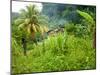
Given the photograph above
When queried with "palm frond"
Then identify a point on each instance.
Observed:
(21, 26)
(18, 21)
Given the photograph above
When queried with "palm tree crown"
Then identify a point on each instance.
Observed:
(29, 21)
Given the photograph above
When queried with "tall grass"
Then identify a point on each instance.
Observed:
(57, 53)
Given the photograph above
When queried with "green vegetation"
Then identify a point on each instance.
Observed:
(37, 47)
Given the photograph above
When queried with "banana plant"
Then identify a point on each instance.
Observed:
(91, 26)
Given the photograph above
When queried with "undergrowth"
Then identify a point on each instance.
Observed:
(56, 53)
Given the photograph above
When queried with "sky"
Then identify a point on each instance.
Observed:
(17, 6)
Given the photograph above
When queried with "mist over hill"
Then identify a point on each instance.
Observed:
(60, 14)
(55, 13)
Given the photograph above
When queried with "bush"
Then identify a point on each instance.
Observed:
(57, 53)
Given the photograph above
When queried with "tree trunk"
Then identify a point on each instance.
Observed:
(24, 46)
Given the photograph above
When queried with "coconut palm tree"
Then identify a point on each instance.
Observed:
(29, 22)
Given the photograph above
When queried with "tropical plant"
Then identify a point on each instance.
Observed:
(91, 24)
(29, 22)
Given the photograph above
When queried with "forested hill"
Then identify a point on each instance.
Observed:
(56, 13)
(59, 14)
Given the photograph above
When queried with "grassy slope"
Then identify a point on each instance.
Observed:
(55, 54)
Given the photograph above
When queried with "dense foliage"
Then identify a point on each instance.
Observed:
(39, 44)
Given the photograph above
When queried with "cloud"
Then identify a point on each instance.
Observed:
(17, 6)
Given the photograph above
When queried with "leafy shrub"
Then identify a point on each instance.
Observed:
(57, 54)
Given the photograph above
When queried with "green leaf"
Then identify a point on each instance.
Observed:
(86, 16)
